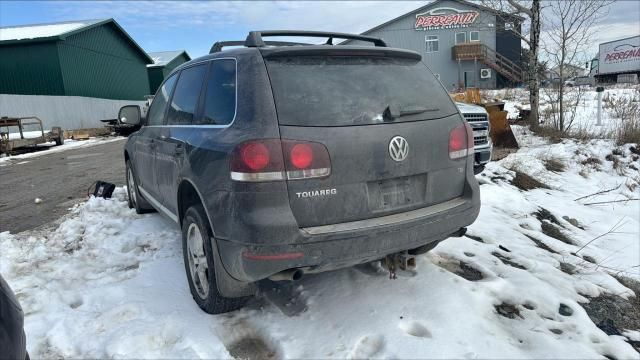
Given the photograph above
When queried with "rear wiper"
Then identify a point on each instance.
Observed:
(392, 112)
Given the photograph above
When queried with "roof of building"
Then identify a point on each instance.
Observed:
(58, 31)
(162, 58)
(484, 8)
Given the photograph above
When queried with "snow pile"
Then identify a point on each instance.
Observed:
(108, 283)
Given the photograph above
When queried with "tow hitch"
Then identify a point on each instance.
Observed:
(402, 261)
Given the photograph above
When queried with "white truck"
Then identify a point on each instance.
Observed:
(618, 61)
(478, 118)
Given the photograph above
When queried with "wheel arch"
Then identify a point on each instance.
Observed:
(188, 195)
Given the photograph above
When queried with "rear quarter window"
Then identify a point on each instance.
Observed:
(220, 93)
(347, 91)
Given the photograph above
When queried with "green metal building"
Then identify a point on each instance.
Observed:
(93, 58)
(163, 63)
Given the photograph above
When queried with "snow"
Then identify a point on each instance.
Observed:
(26, 134)
(108, 283)
(41, 30)
(162, 58)
(585, 119)
(68, 144)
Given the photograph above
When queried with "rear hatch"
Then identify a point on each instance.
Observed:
(367, 111)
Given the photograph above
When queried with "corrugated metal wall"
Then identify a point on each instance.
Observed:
(100, 62)
(31, 68)
(68, 112)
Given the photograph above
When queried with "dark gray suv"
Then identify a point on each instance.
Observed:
(279, 159)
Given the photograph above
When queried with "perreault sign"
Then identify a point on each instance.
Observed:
(445, 18)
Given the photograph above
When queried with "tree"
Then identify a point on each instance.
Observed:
(530, 10)
(569, 32)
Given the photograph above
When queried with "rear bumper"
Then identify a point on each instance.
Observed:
(325, 248)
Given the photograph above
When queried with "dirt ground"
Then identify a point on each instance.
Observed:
(60, 179)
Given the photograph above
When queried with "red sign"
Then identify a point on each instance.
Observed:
(445, 18)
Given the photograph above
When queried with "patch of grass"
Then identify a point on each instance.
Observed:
(550, 133)
(613, 314)
(507, 261)
(567, 268)
(553, 231)
(591, 161)
(508, 310)
(554, 164)
(628, 132)
(544, 214)
(573, 222)
(541, 245)
(525, 182)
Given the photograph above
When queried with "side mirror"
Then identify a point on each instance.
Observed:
(129, 114)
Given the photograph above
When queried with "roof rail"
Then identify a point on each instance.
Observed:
(217, 47)
(254, 39)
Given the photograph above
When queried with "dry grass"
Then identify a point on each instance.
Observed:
(554, 164)
(628, 132)
(525, 182)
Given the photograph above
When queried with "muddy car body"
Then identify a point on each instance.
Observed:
(290, 159)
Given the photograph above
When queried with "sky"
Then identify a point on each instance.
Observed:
(195, 26)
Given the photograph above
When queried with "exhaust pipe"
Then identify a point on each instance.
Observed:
(287, 275)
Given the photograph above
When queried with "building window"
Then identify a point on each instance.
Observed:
(474, 36)
(461, 38)
(508, 26)
(431, 42)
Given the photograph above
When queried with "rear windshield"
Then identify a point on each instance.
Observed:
(345, 91)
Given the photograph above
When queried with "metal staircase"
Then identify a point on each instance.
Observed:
(489, 57)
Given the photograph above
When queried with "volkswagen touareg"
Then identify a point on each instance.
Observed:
(279, 159)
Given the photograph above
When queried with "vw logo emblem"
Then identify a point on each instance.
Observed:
(398, 148)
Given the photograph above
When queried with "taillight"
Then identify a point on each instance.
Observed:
(460, 141)
(305, 159)
(259, 160)
(273, 159)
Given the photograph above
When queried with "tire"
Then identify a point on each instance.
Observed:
(197, 251)
(135, 200)
(478, 169)
(60, 138)
(424, 248)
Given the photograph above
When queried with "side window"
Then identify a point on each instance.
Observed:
(431, 42)
(159, 104)
(220, 95)
(474, 36)
(185, 98)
